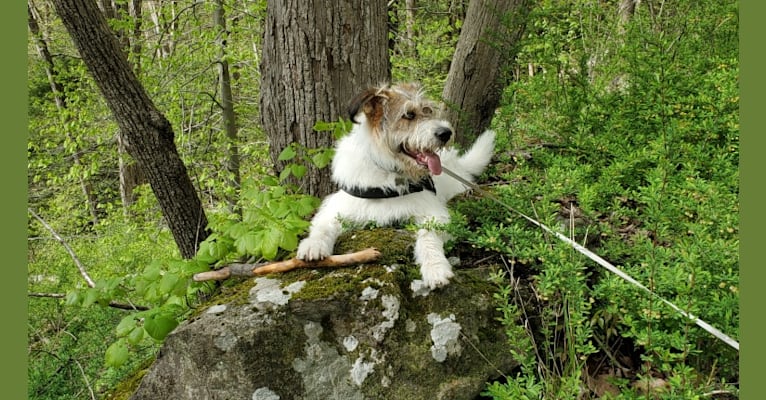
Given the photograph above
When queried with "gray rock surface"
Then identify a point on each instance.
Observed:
(350, 333)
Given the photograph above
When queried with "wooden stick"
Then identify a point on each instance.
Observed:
(246, 270)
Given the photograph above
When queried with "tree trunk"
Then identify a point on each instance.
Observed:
(409, 23)
(480, 68)
(626, 10)
(61, 104)
(227, 109)
(148, 133)
(163, 32)
(130, 41)
(317, 55)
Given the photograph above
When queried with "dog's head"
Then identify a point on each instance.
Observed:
(405, 125)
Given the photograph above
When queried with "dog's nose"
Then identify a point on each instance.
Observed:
(443, 134)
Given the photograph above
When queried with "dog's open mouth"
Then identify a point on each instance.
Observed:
(425, 158)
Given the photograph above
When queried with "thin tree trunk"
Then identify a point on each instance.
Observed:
(227, 108)
(410, 10)
(61, 104)
(130, 40)
(136, 14)
(316, 56)
(480, 68)
(626, 10)
(162, 30)
(148, 133)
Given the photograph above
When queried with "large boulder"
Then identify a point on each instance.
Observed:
(363, 332)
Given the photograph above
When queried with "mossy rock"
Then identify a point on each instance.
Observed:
(353, 333)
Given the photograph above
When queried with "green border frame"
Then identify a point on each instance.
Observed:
(14, 243)
(753, 220)
(751, 187)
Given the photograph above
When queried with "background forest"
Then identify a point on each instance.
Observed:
(619, 126)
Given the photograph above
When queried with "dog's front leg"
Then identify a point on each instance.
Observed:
(324, 231)
(429, 254)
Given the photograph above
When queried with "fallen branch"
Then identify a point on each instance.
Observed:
(113, 304)
(69, 250)
(246, 270)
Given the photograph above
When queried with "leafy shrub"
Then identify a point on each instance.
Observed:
(644, 172)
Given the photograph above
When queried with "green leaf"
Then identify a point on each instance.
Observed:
(306, 205)
(289, 241)
(270, 181)
(236, 231)
(158, 325)
(249, 243)
(322, 126)
(152, 271)
(136, 335)
(73, 297)
(196, 266)
(205, 253)
(126, 325)
(168, 282)
(299, 171)
(285, 173)
(270, 243)
(323, 158)
(117, 353)
(91, 296)
(288, 153)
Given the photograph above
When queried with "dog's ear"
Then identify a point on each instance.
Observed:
(370, 102)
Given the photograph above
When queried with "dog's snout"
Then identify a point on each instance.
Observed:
(443, 134)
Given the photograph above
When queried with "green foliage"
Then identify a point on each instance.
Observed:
(127, 250)
(301, 157)
(273, 219)
(631, 147)
(626, 137)
(425, 57)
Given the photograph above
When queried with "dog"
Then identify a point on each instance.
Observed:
(389, 170)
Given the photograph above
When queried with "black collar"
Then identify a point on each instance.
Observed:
(380, 193)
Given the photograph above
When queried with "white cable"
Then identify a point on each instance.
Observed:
(595, 257)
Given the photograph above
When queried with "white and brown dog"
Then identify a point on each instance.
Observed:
(389, 170)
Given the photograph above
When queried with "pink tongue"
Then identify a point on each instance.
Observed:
(432, 161)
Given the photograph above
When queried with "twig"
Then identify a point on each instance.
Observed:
(717, 392)
(360, 257)
(71, 252)
(85, 379)
(113, 304)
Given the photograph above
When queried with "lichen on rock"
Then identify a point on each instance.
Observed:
(445, 334)
(268, 293)
(350, 333)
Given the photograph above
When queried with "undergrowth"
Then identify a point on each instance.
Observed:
(644, 173)
(624, 137)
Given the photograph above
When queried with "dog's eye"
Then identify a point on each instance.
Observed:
(409, 115)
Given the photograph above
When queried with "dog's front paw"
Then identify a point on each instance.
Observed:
(313, 249)
(436, 274)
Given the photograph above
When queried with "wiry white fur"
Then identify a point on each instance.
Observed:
(360, 161)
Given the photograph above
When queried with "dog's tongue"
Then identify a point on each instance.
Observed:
(431, 160)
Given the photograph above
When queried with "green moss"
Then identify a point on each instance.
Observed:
(128, 386)
(232, 292)
(395, 246)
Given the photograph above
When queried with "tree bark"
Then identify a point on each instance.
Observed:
(227, 110)
(148, 134)
(409, 23)
(480, 68)
(317, 55)
(130, 41)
